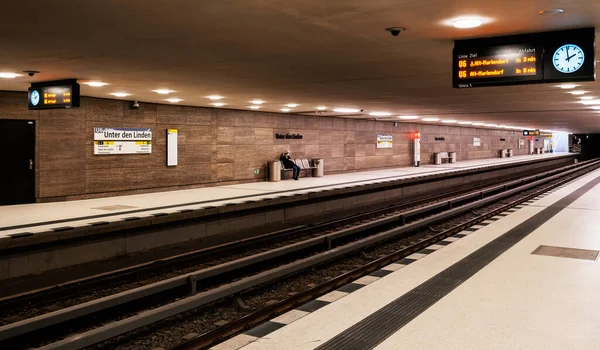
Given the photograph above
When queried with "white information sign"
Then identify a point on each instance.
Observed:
(476, 141)
(384, 141)
(171, 147)
(122, 147)
(122, 134)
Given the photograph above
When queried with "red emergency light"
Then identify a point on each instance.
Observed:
(531, 138)
(417, 135)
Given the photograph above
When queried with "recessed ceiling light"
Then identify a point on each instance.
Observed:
(321, 108)
(174, 100)
(96, 83)
(465, 123)
(7, 75)
(464, 23)
(490, 125)
(254, 107)
(578, 92)
(478, 124)
(591, 102)
(551, 12)
(408, 117)
(163, 91)
(346, 110)
(257, 102)
(292, 105)
(430, 119)
(449, 121)
(380, 114)
(218, 104)
(587, 97)
(567, 86)
(120, 94)
(285, 109)
(214, 97)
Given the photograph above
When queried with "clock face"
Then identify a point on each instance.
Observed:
(568, 58)
(35, 97)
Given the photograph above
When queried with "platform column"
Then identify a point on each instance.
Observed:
(531, 148)
(417, 150)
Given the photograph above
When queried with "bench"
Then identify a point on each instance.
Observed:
(304, 164)
(437, 157)
(503, 153)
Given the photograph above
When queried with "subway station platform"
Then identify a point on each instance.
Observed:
(524, 279)
(40, 217)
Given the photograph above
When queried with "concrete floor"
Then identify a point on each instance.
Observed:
(518, 301)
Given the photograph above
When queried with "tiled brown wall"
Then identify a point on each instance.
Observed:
(219, 145)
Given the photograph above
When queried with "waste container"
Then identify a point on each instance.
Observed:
(274, 171)
(437, 158)
(538, 150)
(510, 152)
(502, 153)
(319, 170)
(452, 157)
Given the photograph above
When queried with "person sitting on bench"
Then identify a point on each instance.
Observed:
(288, 163)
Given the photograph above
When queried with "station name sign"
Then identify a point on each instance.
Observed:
(288, 136)
(549, 57)
(122, 141)
(122, 134)
(54, 95)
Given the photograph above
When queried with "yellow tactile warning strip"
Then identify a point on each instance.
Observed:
(562, 252)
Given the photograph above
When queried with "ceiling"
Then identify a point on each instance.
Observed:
(334, 53)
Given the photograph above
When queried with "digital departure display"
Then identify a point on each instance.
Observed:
(502, 63)
(56, 94)
(525, 59)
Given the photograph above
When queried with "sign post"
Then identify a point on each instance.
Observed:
(417, 150)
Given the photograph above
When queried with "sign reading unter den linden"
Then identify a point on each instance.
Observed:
(122, 141)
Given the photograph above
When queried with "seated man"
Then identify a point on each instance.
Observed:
(288, 163)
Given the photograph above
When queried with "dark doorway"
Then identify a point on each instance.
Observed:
(17, 161)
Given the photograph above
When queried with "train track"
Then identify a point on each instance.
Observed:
(43, 297)
(251, 271)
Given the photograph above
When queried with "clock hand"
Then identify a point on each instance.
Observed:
(569, 58)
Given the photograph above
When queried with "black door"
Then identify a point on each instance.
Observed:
(17, 157)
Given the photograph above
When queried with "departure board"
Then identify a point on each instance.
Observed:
(54, 94)
(562, 56)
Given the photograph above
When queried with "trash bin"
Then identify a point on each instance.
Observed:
(437, 158)
(452, 157)
(510, 152)
(502, 153)
(538, 150)
(319, 170)
(274, 171)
